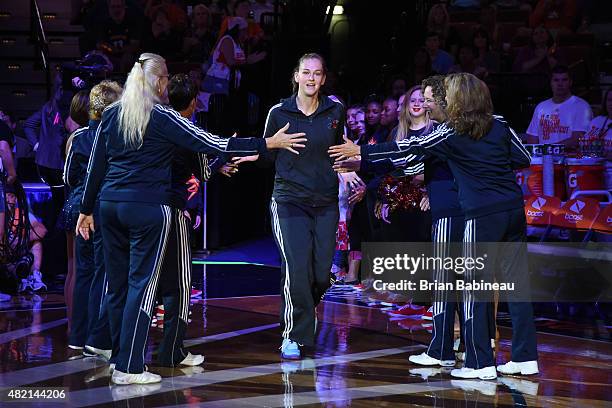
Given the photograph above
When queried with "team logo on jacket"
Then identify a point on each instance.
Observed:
(334, 124)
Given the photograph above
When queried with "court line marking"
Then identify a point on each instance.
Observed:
(334, 395)
(37, 328)
(45, 372)
(101, 395)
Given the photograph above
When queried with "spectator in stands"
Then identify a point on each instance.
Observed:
(398, 86)
(35, 248)
(540, 56)
(160, 38)
(400, 195)
(599, 131)
(438, 21)
(594, 20)
(200, 38)
(388, 120)
(119, 34)
(488, 20)
(467, 62)
(242, 9)
(8, 173)
(441, 61)
(373, 110)
(355, 121)
(485, 56)
(177, 17)
(562, 119)
(421, 67)
(46, 132)
(7, 144)
(227, 58)
(555, 15)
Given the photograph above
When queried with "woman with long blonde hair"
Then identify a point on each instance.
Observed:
(130, 170)
(400, 195)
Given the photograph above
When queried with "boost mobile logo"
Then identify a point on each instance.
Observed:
(539, 203)
(577, 207)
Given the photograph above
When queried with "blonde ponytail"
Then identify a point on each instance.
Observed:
(139, 96)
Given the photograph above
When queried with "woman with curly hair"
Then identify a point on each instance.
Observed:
(482, 151)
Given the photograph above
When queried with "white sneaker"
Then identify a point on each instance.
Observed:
(425, 360)
(520, 385)
(485, 373)
(192, 360)
(75, 347)
(523, 368)
(105, 354)
(36, 281)
(290, 350)
(145, 377)
(484, 387)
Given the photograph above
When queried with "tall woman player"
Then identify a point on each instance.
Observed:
(304, 203)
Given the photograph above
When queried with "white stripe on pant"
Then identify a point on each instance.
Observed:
(288, 312)
(146, 304)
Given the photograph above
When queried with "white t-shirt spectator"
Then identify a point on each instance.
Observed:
(553, 122)
(601, 128)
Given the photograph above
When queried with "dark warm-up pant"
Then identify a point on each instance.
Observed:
(306, 239)
(135, 237)
(175, 291)
(445, 231)
(99, 335)
(89, 285)
(507, 226)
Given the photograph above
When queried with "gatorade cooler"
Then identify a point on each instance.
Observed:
(530, 179)
(584, 174)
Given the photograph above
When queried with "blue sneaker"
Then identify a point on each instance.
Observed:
(290, 350)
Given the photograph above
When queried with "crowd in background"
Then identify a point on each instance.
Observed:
(225, 48)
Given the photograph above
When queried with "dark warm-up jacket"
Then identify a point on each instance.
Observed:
(144, 174)
(483, 169)
(439, 180)
(307, 178)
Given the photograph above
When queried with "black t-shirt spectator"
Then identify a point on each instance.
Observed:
(119, 34)
(167, 44)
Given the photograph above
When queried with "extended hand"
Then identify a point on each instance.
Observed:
(347, 165)
(85, 224)
(352, 179)
(228, 169)
(344, 151)
(358, 194)
(289, 141)
(238, 160)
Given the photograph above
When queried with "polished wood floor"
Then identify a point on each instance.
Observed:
(361, 360)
